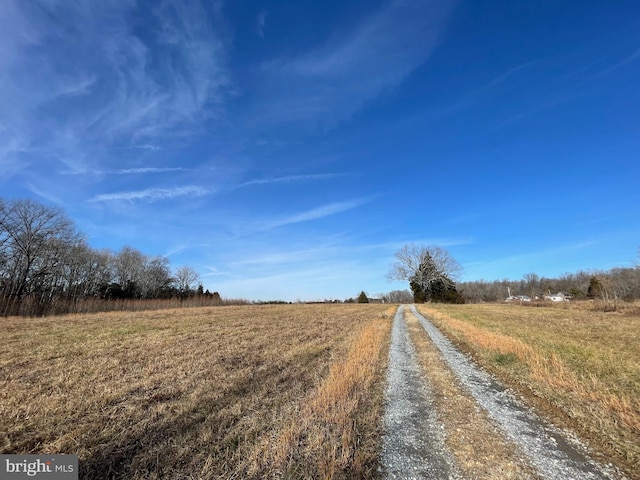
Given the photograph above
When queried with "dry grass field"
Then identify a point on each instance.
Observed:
(293, 391)
(578, 365)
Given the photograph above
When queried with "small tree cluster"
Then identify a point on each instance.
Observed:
(397, 296)
(429, 271)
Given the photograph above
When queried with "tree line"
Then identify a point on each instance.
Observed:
(431, 273)
(620, 283)
(47, 266)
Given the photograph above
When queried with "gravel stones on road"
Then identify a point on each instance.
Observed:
(414, 443)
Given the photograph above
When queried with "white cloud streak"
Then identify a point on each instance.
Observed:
(316, 213)
(629, 59)
(152, 194)
(147, 170)
(129, 171)
(147, 146)
(289, 179)
(262, 22)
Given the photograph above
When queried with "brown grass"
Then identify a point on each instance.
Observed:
(195, 393)
(335, 433)
(580, 366)
(32, 307)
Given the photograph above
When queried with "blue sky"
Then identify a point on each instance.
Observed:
(287, 149)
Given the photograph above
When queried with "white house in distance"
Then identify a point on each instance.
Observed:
(518, 298)
(557, 297)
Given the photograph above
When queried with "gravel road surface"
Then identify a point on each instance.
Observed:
(413, 445)
(414, 440)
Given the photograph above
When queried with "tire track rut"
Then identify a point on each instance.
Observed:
(414, 443)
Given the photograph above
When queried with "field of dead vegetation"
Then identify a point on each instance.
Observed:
(290, 391)
(577, 365)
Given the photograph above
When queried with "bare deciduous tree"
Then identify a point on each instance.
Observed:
(129, 265)
(531, 284)
(398, 296)
(33, 240)
(157, 277)
(186, 279)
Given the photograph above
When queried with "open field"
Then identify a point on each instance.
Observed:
(244, 392)
(578, 366)
(297, 391)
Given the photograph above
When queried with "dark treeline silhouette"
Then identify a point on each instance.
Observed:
(607, 285)
(47, 267)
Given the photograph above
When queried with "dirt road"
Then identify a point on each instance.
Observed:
(447, 418)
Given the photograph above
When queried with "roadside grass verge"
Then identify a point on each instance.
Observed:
(579, 366)
(335, 432)
(194, 393)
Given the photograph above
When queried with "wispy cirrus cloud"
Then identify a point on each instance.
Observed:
(581, 79)
(482, 93)
(146, 146)
(45, 194)
(128, 171)
(212, 271)
(152, 194)
(262, 22)
(331, 83)
(617, 65)
(290, 179)
(79, 79)
(288, 257)
(316, 213)
(184, 87)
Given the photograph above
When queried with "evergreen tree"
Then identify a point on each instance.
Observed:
(595, 288)
(419, 293)
(445, 292)
(362, 298)
(431, 284)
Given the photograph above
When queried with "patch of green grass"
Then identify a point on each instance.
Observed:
(505, 358)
